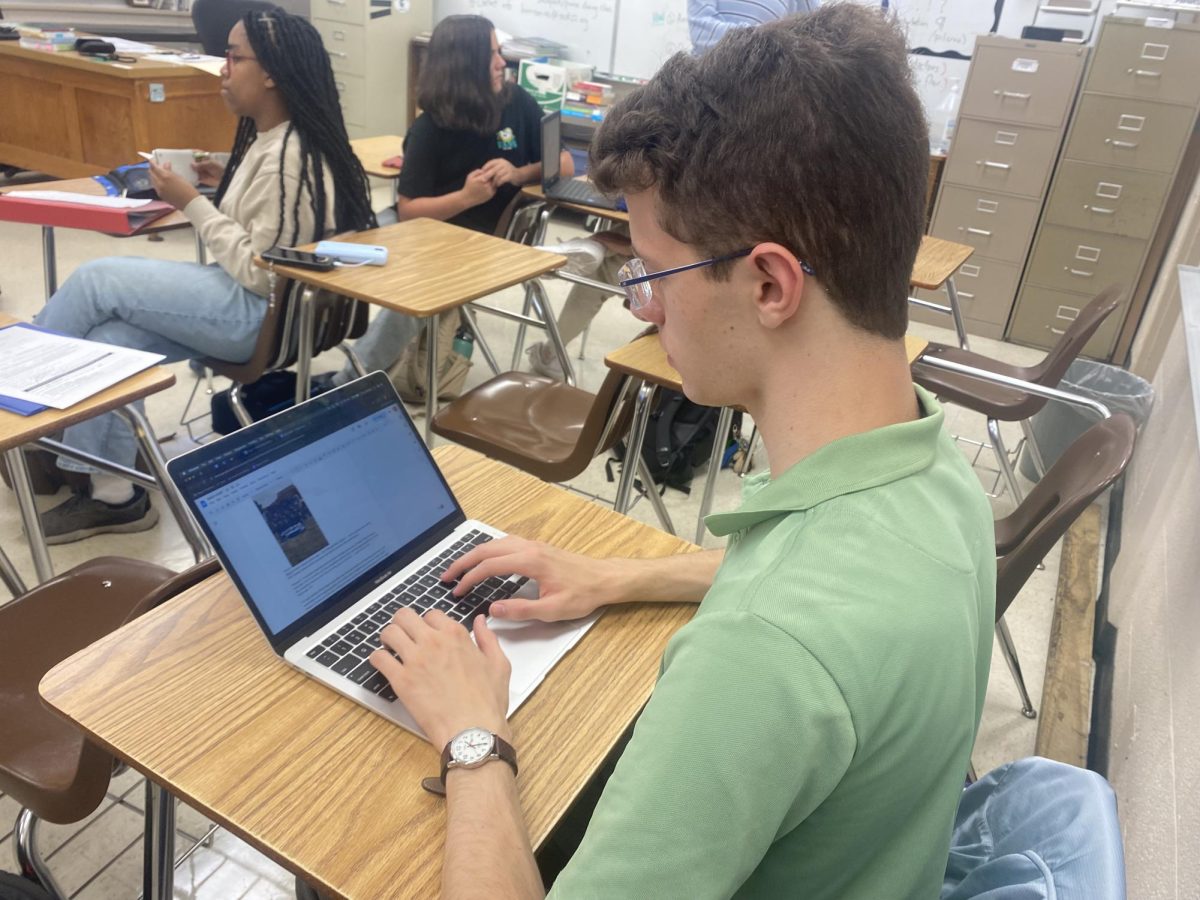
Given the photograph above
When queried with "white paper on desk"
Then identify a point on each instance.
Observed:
(210, 64)
(59, 371)
(82, 199)
(121, 45)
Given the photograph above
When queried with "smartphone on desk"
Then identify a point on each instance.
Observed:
(301, 259)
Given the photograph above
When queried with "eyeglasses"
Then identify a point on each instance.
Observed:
(633, 277)
(231, 57)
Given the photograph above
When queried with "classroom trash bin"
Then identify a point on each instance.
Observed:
(1056, 425)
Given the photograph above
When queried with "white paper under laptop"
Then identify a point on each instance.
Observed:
(330, 516)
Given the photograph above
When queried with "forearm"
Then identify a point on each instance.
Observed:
(442, 208)
(682, 578)
(488, 854)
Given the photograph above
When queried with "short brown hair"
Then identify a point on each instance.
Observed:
(806, 132)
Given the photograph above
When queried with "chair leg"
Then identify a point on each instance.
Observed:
(29, 862)
(10, 576)
(354, 359)
(238, 407)
(1035, 452)
(654, 497)
(1014, 666)
(583, 339)
(1010, 477)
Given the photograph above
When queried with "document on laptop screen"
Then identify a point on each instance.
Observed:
(301, 527)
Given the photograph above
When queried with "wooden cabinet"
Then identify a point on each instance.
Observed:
(369, 45)
(1010, 128)
(1116, 194)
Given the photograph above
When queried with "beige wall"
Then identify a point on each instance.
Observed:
(1154, 602)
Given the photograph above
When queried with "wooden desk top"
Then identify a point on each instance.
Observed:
(534, 192)
(193, 696)
(645, 358)
(128, 71)
(372, 151)
(432, 267)
(17, 430)
(937, 260)
(90, 186)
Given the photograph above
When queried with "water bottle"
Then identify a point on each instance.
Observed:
(948, 114)
(464, 342)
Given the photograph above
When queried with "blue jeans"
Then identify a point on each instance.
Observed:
(383, 343)
(180, 309)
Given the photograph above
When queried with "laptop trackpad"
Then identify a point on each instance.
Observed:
(534, 647)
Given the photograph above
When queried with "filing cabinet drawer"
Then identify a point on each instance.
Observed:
(1106, 198)
(1042, 315)
(1002, 157)
(1129, 132)
(352, 91)
(1153, 63)
(1072, 259)
(985, 293)
(1021, 84)
(347, 46)
(997, 225)
(351, 12)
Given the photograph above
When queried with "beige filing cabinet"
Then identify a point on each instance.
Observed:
(1014, 112)
(368, 43)
(1108, 217)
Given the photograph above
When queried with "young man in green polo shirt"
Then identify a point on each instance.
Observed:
(811, 727)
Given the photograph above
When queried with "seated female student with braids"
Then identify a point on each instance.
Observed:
(477, 140)
(291, 179)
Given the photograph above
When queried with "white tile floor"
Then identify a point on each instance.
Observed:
(101, 857)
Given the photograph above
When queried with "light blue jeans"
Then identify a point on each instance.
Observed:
(382, 344)
(180, 309)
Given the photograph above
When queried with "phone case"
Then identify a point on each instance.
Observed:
(308, 261)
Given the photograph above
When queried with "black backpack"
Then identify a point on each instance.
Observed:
(679, 437)
(13, 887)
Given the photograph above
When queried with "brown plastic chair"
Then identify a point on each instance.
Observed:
(1005, 404)
(544, 426)
(335, 319)
(1086, 469)
(46, 764)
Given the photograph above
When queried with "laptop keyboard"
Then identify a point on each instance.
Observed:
(345, 651)
(574, 189)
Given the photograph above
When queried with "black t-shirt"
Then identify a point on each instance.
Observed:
(437, 160)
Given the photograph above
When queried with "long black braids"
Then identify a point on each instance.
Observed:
(289, 48)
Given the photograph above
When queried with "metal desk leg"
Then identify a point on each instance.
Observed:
(714, 466)
(480, 341)
(633, 445)
(956, 312)
(152, 453)
(29, 513)
(49, 261)
(10, 576)
(539, 238)
(201, 250)
(431, 375)
(158, 848)
(547, 316)
(305, 348)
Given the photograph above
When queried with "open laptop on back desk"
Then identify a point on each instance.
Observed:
(554, 186)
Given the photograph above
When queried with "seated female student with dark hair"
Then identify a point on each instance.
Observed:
(291, 179)
(466, 156)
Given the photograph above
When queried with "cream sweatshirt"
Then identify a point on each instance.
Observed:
(248, 220)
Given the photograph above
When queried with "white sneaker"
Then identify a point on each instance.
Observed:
(583, 255)
(544, 361)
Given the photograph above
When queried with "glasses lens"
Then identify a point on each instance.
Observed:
(639, 294)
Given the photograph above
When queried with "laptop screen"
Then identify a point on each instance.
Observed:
(551, 146)
(312, 508)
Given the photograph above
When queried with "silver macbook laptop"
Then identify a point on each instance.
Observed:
(332, 515)
(572, 190)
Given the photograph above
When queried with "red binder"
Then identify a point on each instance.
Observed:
(61, 214)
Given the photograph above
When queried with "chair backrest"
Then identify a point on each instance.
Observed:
(214, 18)
(1089, 466)
(1050, 370)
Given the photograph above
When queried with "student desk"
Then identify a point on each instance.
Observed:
(432, 267)
(91, 186)
(71, 116)
(937, 261)
(16, 431)
(645, 360)
(372, 151)
(192, 695)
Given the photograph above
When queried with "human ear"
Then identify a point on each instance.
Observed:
(780, 283)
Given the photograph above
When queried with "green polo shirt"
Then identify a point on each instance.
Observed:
(812, 724)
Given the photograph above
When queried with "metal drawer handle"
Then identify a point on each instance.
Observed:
(1079, 272)
(1059, 331)
(339, 54)
(1104, 211)
(1143, 73)
(963, 295)
(988, 164)
(1124, 145)
(337, 2)
(341, 88)
(1011, 95)
(979, 231)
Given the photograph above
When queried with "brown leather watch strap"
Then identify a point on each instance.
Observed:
(502, 750)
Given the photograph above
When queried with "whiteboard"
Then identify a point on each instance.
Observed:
(586, 27)
(649, 32)
(945, 26)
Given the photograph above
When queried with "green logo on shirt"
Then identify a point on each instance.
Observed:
(505, 139)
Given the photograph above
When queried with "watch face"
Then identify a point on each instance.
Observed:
(472, 746)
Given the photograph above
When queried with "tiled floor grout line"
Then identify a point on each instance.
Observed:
(104, 868)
